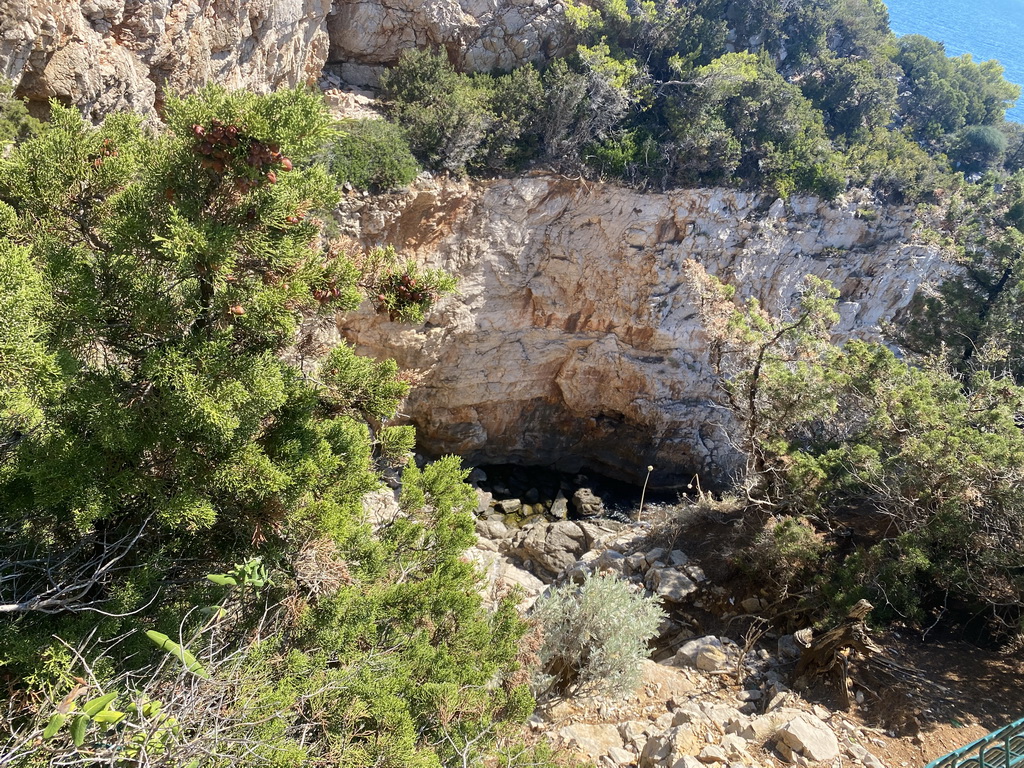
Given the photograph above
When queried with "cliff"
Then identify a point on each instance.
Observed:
(574, 340)
(110, 55)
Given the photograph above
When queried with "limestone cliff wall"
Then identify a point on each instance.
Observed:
(574, 339)
(112, 55)
(478, 35)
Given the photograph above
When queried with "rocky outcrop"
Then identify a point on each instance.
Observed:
(112, 55)
(478, 35)
(574, 339)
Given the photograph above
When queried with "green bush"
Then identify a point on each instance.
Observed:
(785, 553)
(446, 115)
(595, 636)
(978, 148)
(372, 155)
(932, 459)
(153, 432)
(889, 162)
(16, 124)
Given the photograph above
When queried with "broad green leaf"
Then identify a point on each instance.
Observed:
(108, 716)
(78, 729)
(91, 708)
(54, 725)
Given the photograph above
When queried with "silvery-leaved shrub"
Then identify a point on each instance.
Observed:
(595, 636)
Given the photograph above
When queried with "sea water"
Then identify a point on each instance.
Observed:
(986, 29)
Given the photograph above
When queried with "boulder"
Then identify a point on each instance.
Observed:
(492, 530)
(711, 659)
(810, 737)
(500, 575)
(678, 558)
(380, 507)
(667, 748)
(483, 501)
(634, 733)
(670, 584)
(552, 546)
(712, 753)
(586, 503)
(735, 749)
(593, 740)
(510, 506)
(686, 656)
(560, 507)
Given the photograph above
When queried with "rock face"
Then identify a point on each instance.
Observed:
(574, 339)
(111, 55)
(478, 35)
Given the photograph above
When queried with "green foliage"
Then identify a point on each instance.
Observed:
(152, 432)
(891, 164)
(946, 94)
(251, 573)
(403, 290)
(786, 553)
(978, 148)
(937, 460)
(740, 120)
(973, 320)
(584, 100)
(370, 154)
(703, 92)
(164, 643)
(595, 636)
(16, 124)
(856, 96)
(396, 443)
(446, 115)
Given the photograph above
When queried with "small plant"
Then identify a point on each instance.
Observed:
(95, 711)
(595, 636)
(403, 291)
(251, 573)
(164, 643)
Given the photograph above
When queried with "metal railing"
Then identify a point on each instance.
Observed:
(1003, 748)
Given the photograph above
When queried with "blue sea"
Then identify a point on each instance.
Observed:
(986, 29)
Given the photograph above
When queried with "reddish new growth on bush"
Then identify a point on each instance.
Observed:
(225, 146)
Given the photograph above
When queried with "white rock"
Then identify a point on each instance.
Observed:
(687, 654)
(592, 740)
(712, 754)
(670, 584)
(712, 659)
(810, 737)
(549, 333)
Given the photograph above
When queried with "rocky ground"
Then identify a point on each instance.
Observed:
(722, 697)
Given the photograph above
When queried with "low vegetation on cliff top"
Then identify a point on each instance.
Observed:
(810, 97)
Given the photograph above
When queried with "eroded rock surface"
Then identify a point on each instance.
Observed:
(113, 55)
(478, 35)
(575, 340)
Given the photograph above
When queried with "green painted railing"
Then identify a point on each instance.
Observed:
(1003, 748)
